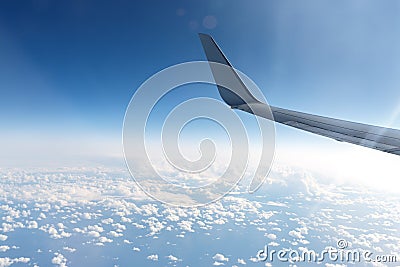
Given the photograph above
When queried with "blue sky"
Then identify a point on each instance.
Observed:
(69, 68)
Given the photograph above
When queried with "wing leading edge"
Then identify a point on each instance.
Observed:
(375, 137)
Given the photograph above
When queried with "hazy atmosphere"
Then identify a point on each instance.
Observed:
(69, 69)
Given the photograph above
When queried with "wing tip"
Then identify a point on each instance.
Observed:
(205, 38)
(201, 34)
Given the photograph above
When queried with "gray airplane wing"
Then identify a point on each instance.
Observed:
(375, 137)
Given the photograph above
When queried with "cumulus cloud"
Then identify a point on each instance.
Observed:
(172, 258)
(69, 249)
(95, 228)
(296, 234)
(283, 218)
(5, 262)
(32, 225)
(153, 257)
(271, 236)
(253, 259)
(241, 261)
(186, 226)
(93, 234)
(104, 239)
(107, 221)
(4, 248)
(220, 257)
(59, 260)
(115, 234)
(273, 244)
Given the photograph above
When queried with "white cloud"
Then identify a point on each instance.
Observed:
(149, 209)
(172, 217)
(3, 237)
(4, 248)
(86, 216)
(69, 249)
(32, 225)
(253, 259)
(119, 227)
(104, 239)
(155, 219)
(153, 257)
(241, 261)
(8, 227)
(96, 228)
(172, 258)
(220, 257)
(5, 262)
(107, 221)
(219, 221)
(155, 226)
(59, 260)
(94, 233)
(296, 234)
(186, 226)
(271, 236)
(52, 231)
(115, 234)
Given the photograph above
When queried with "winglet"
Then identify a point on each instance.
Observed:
(214, 54)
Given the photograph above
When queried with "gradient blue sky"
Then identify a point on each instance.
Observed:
(69, 68)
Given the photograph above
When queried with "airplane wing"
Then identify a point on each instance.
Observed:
(375, 137)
